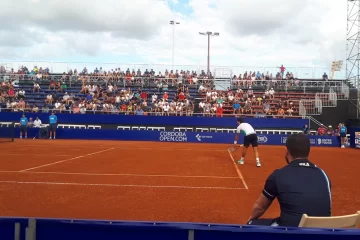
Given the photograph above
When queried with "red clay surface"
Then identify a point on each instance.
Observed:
(147, 181)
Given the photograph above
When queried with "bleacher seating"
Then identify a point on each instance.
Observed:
(289, 94)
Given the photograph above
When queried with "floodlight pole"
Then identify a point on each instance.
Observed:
(209, 34)
(173, 23)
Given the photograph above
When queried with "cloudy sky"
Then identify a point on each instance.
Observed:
(252, 32)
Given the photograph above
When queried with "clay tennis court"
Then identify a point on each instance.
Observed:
(149, 181)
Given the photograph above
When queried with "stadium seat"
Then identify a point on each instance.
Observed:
(94, 127)
(347, 221)
(202, 129)
(123, 128)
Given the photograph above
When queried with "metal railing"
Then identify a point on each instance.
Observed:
(310, 107)
(59, 67)
(145, 113)
(338, 86)
(327, 99)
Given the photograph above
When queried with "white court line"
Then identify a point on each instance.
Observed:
(238, 170)
(66, 160)
(121, 174)
(134, 148)
(30, 154)
(120, 185)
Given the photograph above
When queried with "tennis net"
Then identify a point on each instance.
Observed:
(7, 130)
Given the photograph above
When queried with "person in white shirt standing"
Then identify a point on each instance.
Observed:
(250, 137)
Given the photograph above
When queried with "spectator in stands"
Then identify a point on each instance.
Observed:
(139, 111)
(300, 187)
(165, 96)
(207, 108)
(247, 107)
(282, 71)
(62, 108)
(321, 130)
(219, 110)
(21, 104)
(250, 92)
(266, 107)
(66, 99)
(21, 93)
(272, 93)
(27, 107)
(231, 97)
(52, 85)
(237, 108)
(290, 110)
(84, 89)
(11, 92)
(57, 105)
(281, 112)
(325, 77)
(49, 99)
(154, 97)
(202, 88)
(35, 109)
(45, 109)
(330, 131)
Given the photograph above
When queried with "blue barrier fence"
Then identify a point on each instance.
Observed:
(257, 123)
(60, 229)
(170, 136)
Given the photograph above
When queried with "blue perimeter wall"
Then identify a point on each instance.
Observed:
(60, 229)
(164, 136)
(229, 122)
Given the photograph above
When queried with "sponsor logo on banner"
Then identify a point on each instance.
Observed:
(199, 137)
(173, 137)
(262, 139)
(283, 140)
(325, 141)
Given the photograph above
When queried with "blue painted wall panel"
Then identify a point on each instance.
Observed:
(228, 122)
(164, 136)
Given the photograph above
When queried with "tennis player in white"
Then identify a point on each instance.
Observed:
(250, 137)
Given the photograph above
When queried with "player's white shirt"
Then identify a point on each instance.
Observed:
(245, 129)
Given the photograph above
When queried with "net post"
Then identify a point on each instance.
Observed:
(12, 131)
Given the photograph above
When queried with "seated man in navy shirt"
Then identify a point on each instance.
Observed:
(300, 187)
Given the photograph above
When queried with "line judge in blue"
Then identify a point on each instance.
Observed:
(52, 125)
(343, 131)
(23, 126)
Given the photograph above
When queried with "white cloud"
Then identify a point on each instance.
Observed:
(252, 33)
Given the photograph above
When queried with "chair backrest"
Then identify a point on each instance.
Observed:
(347, 221)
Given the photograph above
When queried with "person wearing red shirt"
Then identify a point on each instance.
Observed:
(165, 96)
(143, 95)
(321, 130)
(181, 96)
(219, 111)
(282, 71)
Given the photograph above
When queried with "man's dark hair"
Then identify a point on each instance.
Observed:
(240, 120)
(298, 145)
